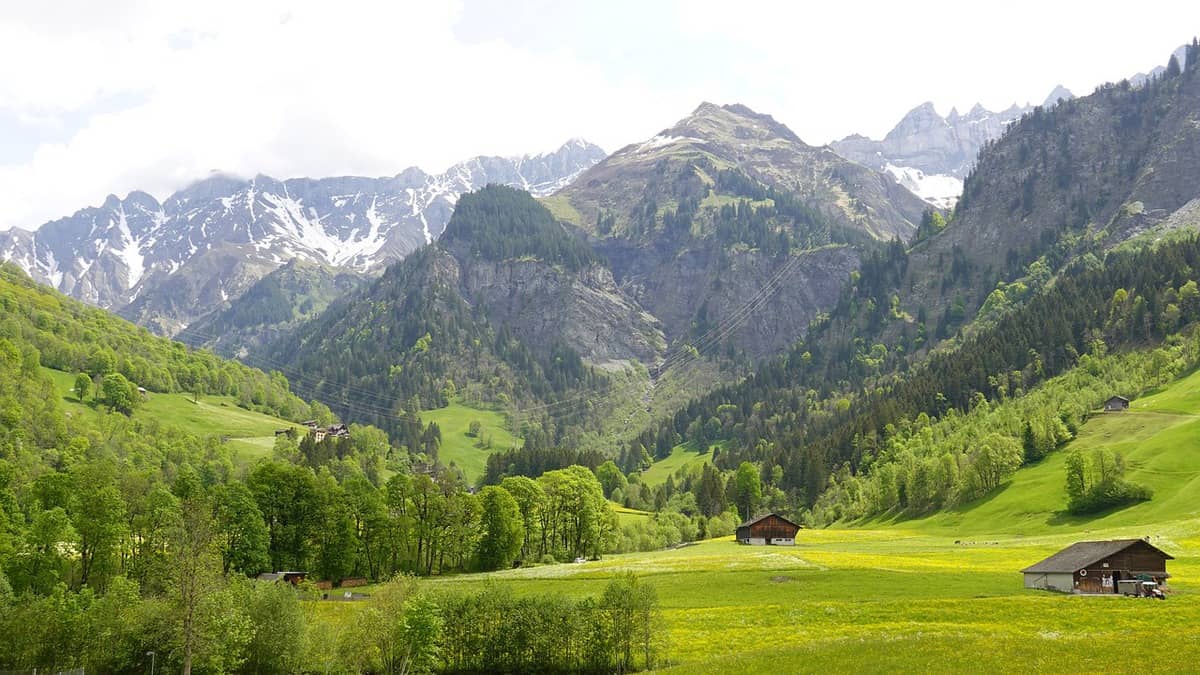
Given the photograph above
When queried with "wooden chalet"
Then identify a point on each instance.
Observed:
(320, 433)
(769, 529)
(1097, 567)
(1116, 403)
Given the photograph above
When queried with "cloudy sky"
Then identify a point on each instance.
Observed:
(107, 97)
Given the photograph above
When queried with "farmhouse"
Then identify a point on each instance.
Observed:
(769, 529)
(320, 433)
(1098, 566)
(1116, 403)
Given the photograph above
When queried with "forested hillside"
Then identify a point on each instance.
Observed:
(124, 532)
(830, 406)
(427, 331)
(76, 338)
(274, 305)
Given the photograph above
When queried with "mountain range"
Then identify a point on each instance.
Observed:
(931, 154)
(165, 264)
(714, 243)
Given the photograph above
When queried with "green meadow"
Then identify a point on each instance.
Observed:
(940, 594)
(249, 434)
(681, 456)
(888, 600)
(1159, 437)
(462, 450)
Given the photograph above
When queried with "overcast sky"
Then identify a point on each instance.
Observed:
(108, 97)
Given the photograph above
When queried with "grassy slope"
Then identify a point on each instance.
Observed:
(626, 515)
(459, 448)
(1160, 439)
(681, 455)
(251, 434)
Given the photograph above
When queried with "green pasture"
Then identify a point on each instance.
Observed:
(250, 434)
(681, 455)
(462, 450)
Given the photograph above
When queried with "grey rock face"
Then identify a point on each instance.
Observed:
(933, 144)
(708, 297)
(166, 264)
(583, 309)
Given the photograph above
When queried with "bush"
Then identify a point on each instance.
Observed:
(1109, 494)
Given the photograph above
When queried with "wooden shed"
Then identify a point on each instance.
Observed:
(292, 578)
(1097, 567)
(1116, 403)
(769, 529)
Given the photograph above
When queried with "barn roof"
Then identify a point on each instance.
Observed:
(1084, 553)
(764, 516)
(1118, 398)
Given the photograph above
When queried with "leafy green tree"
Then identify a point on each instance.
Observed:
(242, 539)
(43, 562)
(83, 386)
(502, 532)
(333, 530)
(1076, 475)
(747, 489)
(397, 632)
(274, 612)
(98, 516)
(611, 478)
(634, 622)
(531, 499)
(118, 393)
(371, 527)
(993, 459)
(101, 362)
(288, 499)
(194, 569)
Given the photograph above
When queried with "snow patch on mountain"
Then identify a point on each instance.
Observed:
(226, 232)
(941, 190)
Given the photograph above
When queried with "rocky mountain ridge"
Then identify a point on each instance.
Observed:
(931, 154)
(165, 264)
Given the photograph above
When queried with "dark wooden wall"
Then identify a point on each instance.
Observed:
(773, 527)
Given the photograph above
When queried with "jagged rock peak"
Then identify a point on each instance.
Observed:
(710, 121)
(1057, 95)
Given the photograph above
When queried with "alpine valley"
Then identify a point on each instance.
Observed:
(720, 401)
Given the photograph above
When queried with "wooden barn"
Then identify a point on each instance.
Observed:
(770, 529)
(1116, 403)
(1097, 567)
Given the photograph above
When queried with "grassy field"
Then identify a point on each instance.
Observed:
(250, 434)
(458, 448)
(852, 600)
(1159, 437)
(681, 455)
(941, 594)
(626, 515)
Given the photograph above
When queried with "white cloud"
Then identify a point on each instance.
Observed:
(310, 87)
(315, 89)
